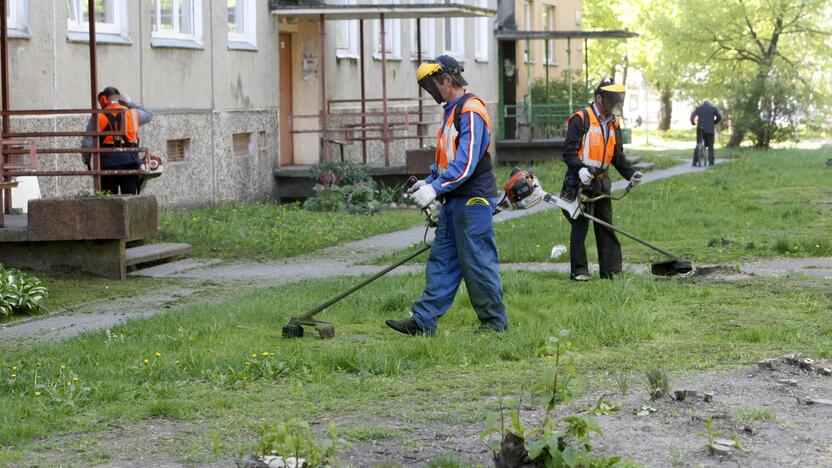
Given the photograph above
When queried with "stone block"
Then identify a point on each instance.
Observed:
(93, 218)
(418, 161)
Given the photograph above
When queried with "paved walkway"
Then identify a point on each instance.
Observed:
(331, 262)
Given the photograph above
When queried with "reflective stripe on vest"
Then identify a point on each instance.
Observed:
(446, 137)
(594, 151)
(131, 121)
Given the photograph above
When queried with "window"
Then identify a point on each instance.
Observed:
(549, 24)
(111, 25)
(392, 38)
(529, 25)
(242, 24)
(241, 144)
(179, 150)
(176, 23)
(483, 34)
(455, 37)
(16, 18)
(428, 26)
(346, 36)
(262, 143)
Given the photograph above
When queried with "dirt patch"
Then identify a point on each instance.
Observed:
(763, 409)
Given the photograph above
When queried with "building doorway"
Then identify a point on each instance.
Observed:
(287, 143)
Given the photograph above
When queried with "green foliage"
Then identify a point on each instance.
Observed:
(294, 438)
(357, 198)
(710, 434)
(20, 293)
(657, 381)
(340, 173)
(556, 443)
(755, 413)
(622, 379)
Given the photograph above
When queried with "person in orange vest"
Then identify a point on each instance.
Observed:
(463, 179)
(137, 115)
(593, 143)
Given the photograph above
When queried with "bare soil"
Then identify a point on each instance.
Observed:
(799, 435)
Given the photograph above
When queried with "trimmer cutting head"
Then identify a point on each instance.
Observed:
(671, 267)
(294, 329)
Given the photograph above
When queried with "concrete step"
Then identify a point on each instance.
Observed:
(176, 267)
(154, 252)
(644, 166)
(634, 159)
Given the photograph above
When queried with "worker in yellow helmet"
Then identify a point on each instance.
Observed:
(593, 143)
(463, 179)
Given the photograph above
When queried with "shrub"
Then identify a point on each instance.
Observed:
(20, 293)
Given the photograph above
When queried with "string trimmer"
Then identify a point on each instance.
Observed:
(523, 191)
(326, 330)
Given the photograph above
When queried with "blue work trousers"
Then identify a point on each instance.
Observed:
(464, 248)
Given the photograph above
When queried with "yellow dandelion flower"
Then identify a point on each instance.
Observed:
(271, 354)
(63, 367)
(75, 379)
(14, 368)
(14, 376)
(37, 393)
(264, 354)
(248, 363)
(177, 362)
(254, 356)
(38, 364)
(158, 354)
(817, 246)
(147, 361)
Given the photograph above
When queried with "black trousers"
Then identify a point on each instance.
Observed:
(124, 184)
(609, 248)
(708, 140)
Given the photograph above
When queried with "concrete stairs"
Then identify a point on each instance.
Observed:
(154, 254)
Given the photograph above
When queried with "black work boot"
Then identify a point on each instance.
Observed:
(407, 326)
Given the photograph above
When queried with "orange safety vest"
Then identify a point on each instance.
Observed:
(112, 121)
(447, 135)
(594, 151)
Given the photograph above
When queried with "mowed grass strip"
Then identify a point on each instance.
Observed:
(762, 204)
(227, 363)
(264, 231)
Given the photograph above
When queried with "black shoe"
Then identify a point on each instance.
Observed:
(580, 278)
(407, 326)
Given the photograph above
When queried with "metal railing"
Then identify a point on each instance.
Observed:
(540, 121)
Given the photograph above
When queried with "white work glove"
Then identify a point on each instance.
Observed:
(636, 178)
(424, 195)
(585, 176)
(125, 99)
(416, 186)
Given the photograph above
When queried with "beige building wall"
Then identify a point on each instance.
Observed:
(204, 93)
(343, 75)
(568, 17)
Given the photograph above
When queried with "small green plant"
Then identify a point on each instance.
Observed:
(755, 413)
(556, 442)
(20, 293)
(294, 438)
(710, 434)
(658, 382)
(622, 379)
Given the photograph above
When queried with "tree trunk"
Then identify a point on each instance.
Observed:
(737, 136)
(626, 69)
(665, 109)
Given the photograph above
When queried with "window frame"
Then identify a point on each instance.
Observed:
(246, 40)
(117, 32)
(193, 40)
(457, 38)
(482, 39)
(428, 36)
(549, 13)
(350, 29)
(393, 29)
(17, 21)
(528, 15)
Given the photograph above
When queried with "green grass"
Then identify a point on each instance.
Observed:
(264, 231)
(754, 414)
(371, 374)
(763, 204)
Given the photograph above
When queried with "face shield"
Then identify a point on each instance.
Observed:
(425, 74)
(612, 97)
